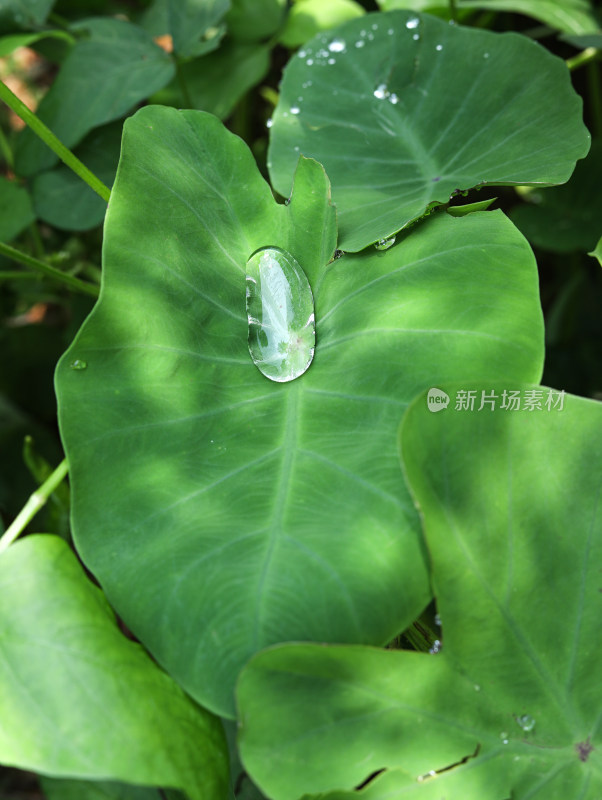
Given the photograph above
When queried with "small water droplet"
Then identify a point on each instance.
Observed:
(416, 37)
(436, 647)
(375, 27)
(526, 722)
(390, 31)
(393, 98)
(296, 148)
(306, 85)
(384, 244)
(504, 737)
(295, 110)
(337, 46)
(360, 43)
(301, 53)
(438, 620)
(477, 688)
(381, 91)
(78, 364)
(280, 312)
(413, 22)
(309, 62)
(269, 123)
(485, 55)
(439, 47)
(332, 61)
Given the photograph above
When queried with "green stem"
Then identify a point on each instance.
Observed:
(584, 57)
(37, 501)
(46, 269)
(8, 275)
(47, 136)
(453, 11)
(595, 101)
(5, 149)
(182, 84)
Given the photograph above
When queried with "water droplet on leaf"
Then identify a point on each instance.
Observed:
(436, 647)
(384, 244)
(526, 722)
(337, 46)
(381, 91)
(360, 43)
(280, 312)
(295, 110)
(414, 22)
(269, 123)
(439, 47)
(393, 98)
(78, 364)
(504, 737)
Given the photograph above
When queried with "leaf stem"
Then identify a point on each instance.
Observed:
(182, 83)
(453, 11)
(46, 269)
(595, 101)
(53, 142)
(37, 501)
(584, 57)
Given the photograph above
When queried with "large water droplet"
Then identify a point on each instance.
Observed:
(280, 311)
(381, 91)
(384, 244)
(78, 364)
(526, 722)
(295, 109)
(413, 22)
(337, 46)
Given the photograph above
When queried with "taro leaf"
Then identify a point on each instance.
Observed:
(404, 110)
(512, 515)
(60, 196)
(308, 17)
(253, 20)
(79, 699)
(218, 81)
(567, 218)
(191, 24)
(65, 789)
(15, 14)
(247, 512)
(16, 210)
(103, 77)
(572, 16)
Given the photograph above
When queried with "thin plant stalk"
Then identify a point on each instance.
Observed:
(584, 57)
(47, 270)
(53, 142)
(36, 501)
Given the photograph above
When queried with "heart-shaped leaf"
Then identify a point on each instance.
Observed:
(79, 699)
(510, 706)
(248, 512)
(403, 110)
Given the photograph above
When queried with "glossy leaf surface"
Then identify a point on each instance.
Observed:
(436, 109)
(510, 705)
(249, 512)
(78, 698)
(103, 77)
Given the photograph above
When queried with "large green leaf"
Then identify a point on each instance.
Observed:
(252, 20)
(510, 706)
(403, 110)
(60, 196)
(103, 77)
(194, 25)
(249, 512)
(566, 218)
(78, 698)
(571, 16)
(308, 17)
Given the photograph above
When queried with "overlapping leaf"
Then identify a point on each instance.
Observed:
(248, 512)
(79, 699)
(511, 705)
(404, 109)
(103, 77)
(571, 16)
